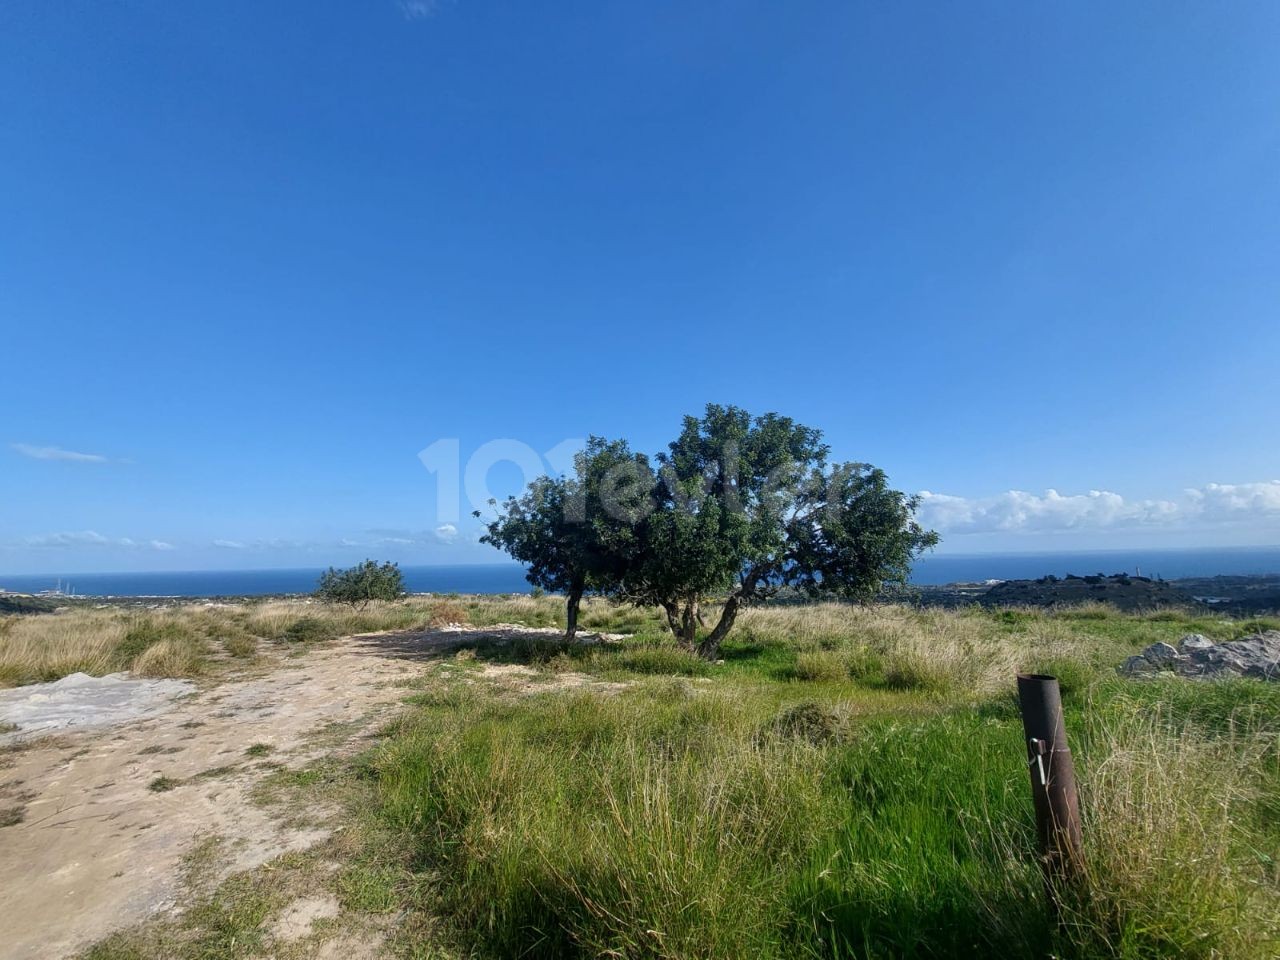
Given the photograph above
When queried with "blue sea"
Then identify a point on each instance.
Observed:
(509, 578)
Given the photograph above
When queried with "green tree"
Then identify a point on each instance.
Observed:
(737, 508)
(577, 534)
(361, 584)
(747, 505)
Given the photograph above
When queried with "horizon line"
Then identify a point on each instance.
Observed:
(1244, 548)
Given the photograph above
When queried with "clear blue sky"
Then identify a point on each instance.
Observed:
(256, 256)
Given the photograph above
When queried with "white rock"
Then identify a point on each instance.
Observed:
(79, 700)
(1194, 641)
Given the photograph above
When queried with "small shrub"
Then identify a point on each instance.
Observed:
(310, 630)
(809, 720)
(163, 784)
(258, 750)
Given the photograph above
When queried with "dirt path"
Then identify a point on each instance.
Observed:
(102, 842)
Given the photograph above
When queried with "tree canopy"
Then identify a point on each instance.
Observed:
(575, 534)
(358, 586)
(735, 509)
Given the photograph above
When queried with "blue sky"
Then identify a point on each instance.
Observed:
(256, 257)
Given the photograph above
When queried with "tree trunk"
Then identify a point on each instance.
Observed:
(673, 618)
(689, 626)
(572, 604)
(710, 646)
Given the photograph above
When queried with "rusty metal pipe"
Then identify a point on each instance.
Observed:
(1053, 783)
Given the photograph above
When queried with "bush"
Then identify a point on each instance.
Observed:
(362, 584)
(812, 721)
(310, 630)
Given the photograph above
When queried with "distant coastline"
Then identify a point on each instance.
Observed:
(509, 578)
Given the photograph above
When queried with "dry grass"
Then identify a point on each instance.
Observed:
(48, 647)
(190, 640)
(934, 651)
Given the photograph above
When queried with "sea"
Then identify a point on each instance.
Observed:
(509, 578)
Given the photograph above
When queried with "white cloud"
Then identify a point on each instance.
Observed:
(91, 538)
(1017, 511)
(68, 539)
(229, 544)
(444, 533)
(57, 453)
(1232, 501)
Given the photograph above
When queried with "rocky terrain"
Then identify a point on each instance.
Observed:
(1198, 657)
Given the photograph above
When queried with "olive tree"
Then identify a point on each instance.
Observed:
(735, 509)
(747, 505)
(574, 534)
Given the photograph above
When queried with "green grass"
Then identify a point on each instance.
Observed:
(845, 784)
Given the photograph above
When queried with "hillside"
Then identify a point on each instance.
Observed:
(1122, 591)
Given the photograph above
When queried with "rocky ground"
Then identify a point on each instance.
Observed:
(1198, 657)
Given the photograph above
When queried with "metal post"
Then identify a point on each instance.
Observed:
(1053, 782)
